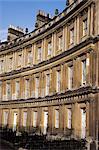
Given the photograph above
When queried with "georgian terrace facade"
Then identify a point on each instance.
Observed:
(49, 78)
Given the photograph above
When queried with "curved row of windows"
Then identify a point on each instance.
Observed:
(53, 44)
(45, 122)
(49, 82)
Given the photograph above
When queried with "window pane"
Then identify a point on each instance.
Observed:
(24, 119)
(56, 118)
(69, 118)
(34, 118)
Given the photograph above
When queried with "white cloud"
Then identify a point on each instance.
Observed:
(3, 34)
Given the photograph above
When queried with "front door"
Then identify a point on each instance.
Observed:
(45, 122)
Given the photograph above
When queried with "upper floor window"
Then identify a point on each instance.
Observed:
(37, 87)
(10, 62)
(60, 42)
(49, 48)
(19, 60)
(27, 88)
(29, 60)
(72, 35)
(39, 56)
(56, 118)
(8, 90)
(0, 90)
(58, 80)
(47, 84)
(17, 88)
(84, 72)
(85, 27)
(70, 77)
(1, 65)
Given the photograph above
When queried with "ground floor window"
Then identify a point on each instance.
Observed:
(5, 118)
(24, 119)
(83, 123)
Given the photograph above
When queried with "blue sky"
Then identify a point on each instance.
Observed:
(23, 12)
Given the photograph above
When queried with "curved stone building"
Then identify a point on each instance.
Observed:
(49, 78)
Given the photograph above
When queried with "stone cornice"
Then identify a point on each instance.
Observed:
(69, 95)
(89, 40)
(48, 26)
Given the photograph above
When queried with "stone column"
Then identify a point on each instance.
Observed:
(54, 44)
(89, 20)
(64, 38)
(75, 31)
(78, 35)
(88, 68)
(92, 19)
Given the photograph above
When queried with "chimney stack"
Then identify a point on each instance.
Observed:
(14, 32)
(42, 18)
